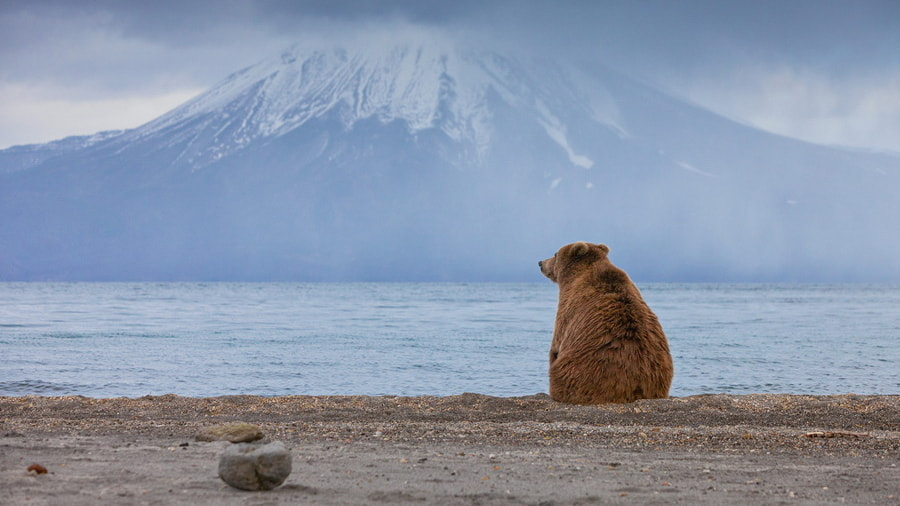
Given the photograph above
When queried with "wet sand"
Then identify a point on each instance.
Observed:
(464, 449)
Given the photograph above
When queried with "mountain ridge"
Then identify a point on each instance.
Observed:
(419, 162)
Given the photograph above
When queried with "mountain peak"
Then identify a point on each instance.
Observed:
(418, 84)
(424, 84)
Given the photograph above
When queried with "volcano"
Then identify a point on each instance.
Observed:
(428, 161)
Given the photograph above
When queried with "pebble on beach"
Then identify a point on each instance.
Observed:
(249, 466)
(37, 469)
(238, 432)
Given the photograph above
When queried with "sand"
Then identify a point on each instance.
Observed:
(464, 449)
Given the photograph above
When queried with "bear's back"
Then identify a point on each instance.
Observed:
(610, 346)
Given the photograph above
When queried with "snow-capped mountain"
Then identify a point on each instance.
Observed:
(426, 86)
(411, 84)
(427, 160)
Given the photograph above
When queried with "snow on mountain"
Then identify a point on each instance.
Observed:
(425, 86)
(23, 157)
(430, 160)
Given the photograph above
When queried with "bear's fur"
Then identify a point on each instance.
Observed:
(608, 346)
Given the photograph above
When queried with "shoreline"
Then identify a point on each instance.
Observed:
(461, 449)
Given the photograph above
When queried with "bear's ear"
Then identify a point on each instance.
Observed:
(578, 249)
(603, 247)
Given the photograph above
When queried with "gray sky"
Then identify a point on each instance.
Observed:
(821, 70)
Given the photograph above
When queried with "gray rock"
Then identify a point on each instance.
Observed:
(238, 432)
(250, 466)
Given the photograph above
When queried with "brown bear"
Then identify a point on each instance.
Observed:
(608, 346)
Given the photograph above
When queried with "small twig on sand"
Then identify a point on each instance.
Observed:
(836, 433)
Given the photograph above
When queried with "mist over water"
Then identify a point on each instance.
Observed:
(207, 339)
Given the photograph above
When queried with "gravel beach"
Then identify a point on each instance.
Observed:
(462, 449)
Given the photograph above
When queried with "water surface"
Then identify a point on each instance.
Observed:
(206, 339)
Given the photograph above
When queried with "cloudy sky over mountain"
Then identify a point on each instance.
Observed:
(821, 70)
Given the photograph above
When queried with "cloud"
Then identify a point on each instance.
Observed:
(29, 115)
(110, 47)
(857, 110)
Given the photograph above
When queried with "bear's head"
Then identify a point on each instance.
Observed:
(572, 259)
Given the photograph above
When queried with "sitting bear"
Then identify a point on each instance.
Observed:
(608, 346)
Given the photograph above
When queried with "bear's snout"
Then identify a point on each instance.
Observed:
(546, 267)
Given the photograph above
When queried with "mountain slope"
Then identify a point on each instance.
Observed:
(427, 161)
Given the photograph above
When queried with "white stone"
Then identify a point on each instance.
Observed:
(250, 466)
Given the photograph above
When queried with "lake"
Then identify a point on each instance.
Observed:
(208, 339)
